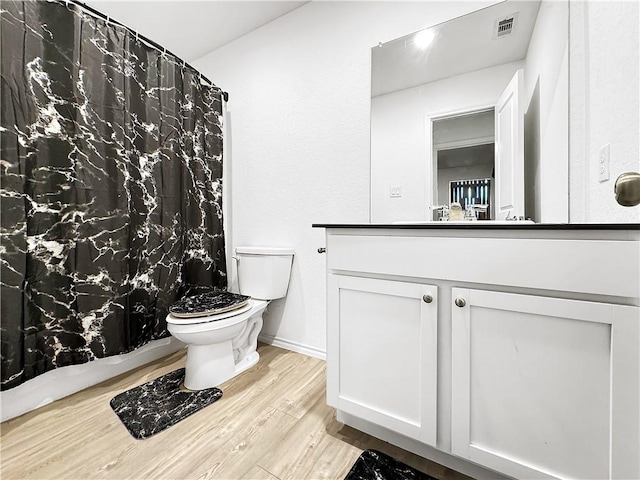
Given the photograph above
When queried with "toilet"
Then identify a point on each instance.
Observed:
(221, 346)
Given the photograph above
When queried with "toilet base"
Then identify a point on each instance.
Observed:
(210, 365)
(247, 363)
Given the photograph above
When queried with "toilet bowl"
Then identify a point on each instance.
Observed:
(219, 347)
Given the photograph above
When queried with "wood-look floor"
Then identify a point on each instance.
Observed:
(271, 423)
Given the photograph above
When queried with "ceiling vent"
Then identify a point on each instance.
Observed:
(505, 25)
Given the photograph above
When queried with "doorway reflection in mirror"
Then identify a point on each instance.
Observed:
(463, 150)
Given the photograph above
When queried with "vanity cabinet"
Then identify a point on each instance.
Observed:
(383, 348)
(525, 360)
(538, 384)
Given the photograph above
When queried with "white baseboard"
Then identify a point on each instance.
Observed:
(293, 346)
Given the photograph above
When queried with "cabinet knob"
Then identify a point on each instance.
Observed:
(427, 298)
(460, 302)
(627, 189)
(322, 250)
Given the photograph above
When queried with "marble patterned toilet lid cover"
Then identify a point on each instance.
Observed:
(216, 317)
(209, 303)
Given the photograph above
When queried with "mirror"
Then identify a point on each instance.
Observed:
(425, 83)
(474, 111)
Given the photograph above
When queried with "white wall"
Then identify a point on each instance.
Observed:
(465, 128)
(604, 105)
(298, 145)
(546, 118)
(398, 136)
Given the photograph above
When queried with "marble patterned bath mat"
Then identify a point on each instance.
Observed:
(372, 464)
(155, 406)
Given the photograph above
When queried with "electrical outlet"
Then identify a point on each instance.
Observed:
(395, 191)
(603, 163)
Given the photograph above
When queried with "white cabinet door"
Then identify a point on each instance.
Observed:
(509, 154)
(546, 387)
(382, 353)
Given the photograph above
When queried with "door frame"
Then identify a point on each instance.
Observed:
(431, 190)
(511, 204)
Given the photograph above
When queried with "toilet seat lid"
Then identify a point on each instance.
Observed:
(209, 318)
(212, 312)
(207, 304)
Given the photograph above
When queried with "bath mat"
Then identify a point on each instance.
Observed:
(155, 406)
(208, 303)
(372, 464)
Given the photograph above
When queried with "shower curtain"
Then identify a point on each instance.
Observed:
(111, 165)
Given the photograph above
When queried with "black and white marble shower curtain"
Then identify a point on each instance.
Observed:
(111, 163)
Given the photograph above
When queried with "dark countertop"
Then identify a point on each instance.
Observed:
(485, 226)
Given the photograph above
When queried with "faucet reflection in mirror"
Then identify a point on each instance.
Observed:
(472, 195)
(455, 213)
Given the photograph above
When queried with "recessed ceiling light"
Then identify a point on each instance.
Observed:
(423, 39)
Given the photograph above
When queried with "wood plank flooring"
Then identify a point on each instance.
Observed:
(272, 423)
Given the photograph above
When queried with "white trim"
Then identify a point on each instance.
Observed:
(469, 142)
(62, 382)
(462, 111)
(308, 350)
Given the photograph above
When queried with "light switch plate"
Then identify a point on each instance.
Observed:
(603, 163)
(395, 191)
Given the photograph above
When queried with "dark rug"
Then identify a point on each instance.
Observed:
(372, 464)
(155, 406)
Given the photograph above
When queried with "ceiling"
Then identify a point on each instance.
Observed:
(464, 44)
(191, 29)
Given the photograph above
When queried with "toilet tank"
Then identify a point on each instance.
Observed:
(263, 272)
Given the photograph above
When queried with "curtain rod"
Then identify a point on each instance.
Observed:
(147, 40)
